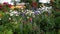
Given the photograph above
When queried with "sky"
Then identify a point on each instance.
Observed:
(44, 1)
(9, 1)
(1, 1)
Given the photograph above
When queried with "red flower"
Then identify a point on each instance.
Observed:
(34, 4)
(10, 5)
(4, 10)
(51, 0)
(30, 19)
(5, 3)
(1, 7)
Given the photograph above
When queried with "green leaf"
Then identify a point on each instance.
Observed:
(8, 31)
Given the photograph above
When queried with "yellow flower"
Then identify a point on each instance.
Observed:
(1, 15)
(24, 6)
(12, 7)
(46, 14)
(17, 6)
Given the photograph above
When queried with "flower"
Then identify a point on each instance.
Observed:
(46, 14)
(27, 17)
(1, 15)
(37, 12)
(1, 7)
(16, 13)
(5, 3)
(12, 7)
(9, 5)
(51, 0)
(30, 19)
(17, 6)
(11, 14)
(9, 18)
(0, 18)
(4, 10)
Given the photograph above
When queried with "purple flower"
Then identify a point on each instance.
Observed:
(23, 14)
(37, 12)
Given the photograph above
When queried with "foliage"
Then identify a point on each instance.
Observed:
(28, 22)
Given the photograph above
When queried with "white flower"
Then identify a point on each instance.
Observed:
(33, 15)
(27, 17)
(10, 10)
(9, 18)
(11, 14)
(27, 13)
(27, 10)
(31, 12)
(47, 9)
(0, 18)
(7, 12)
(43, 7)
(16, 13)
